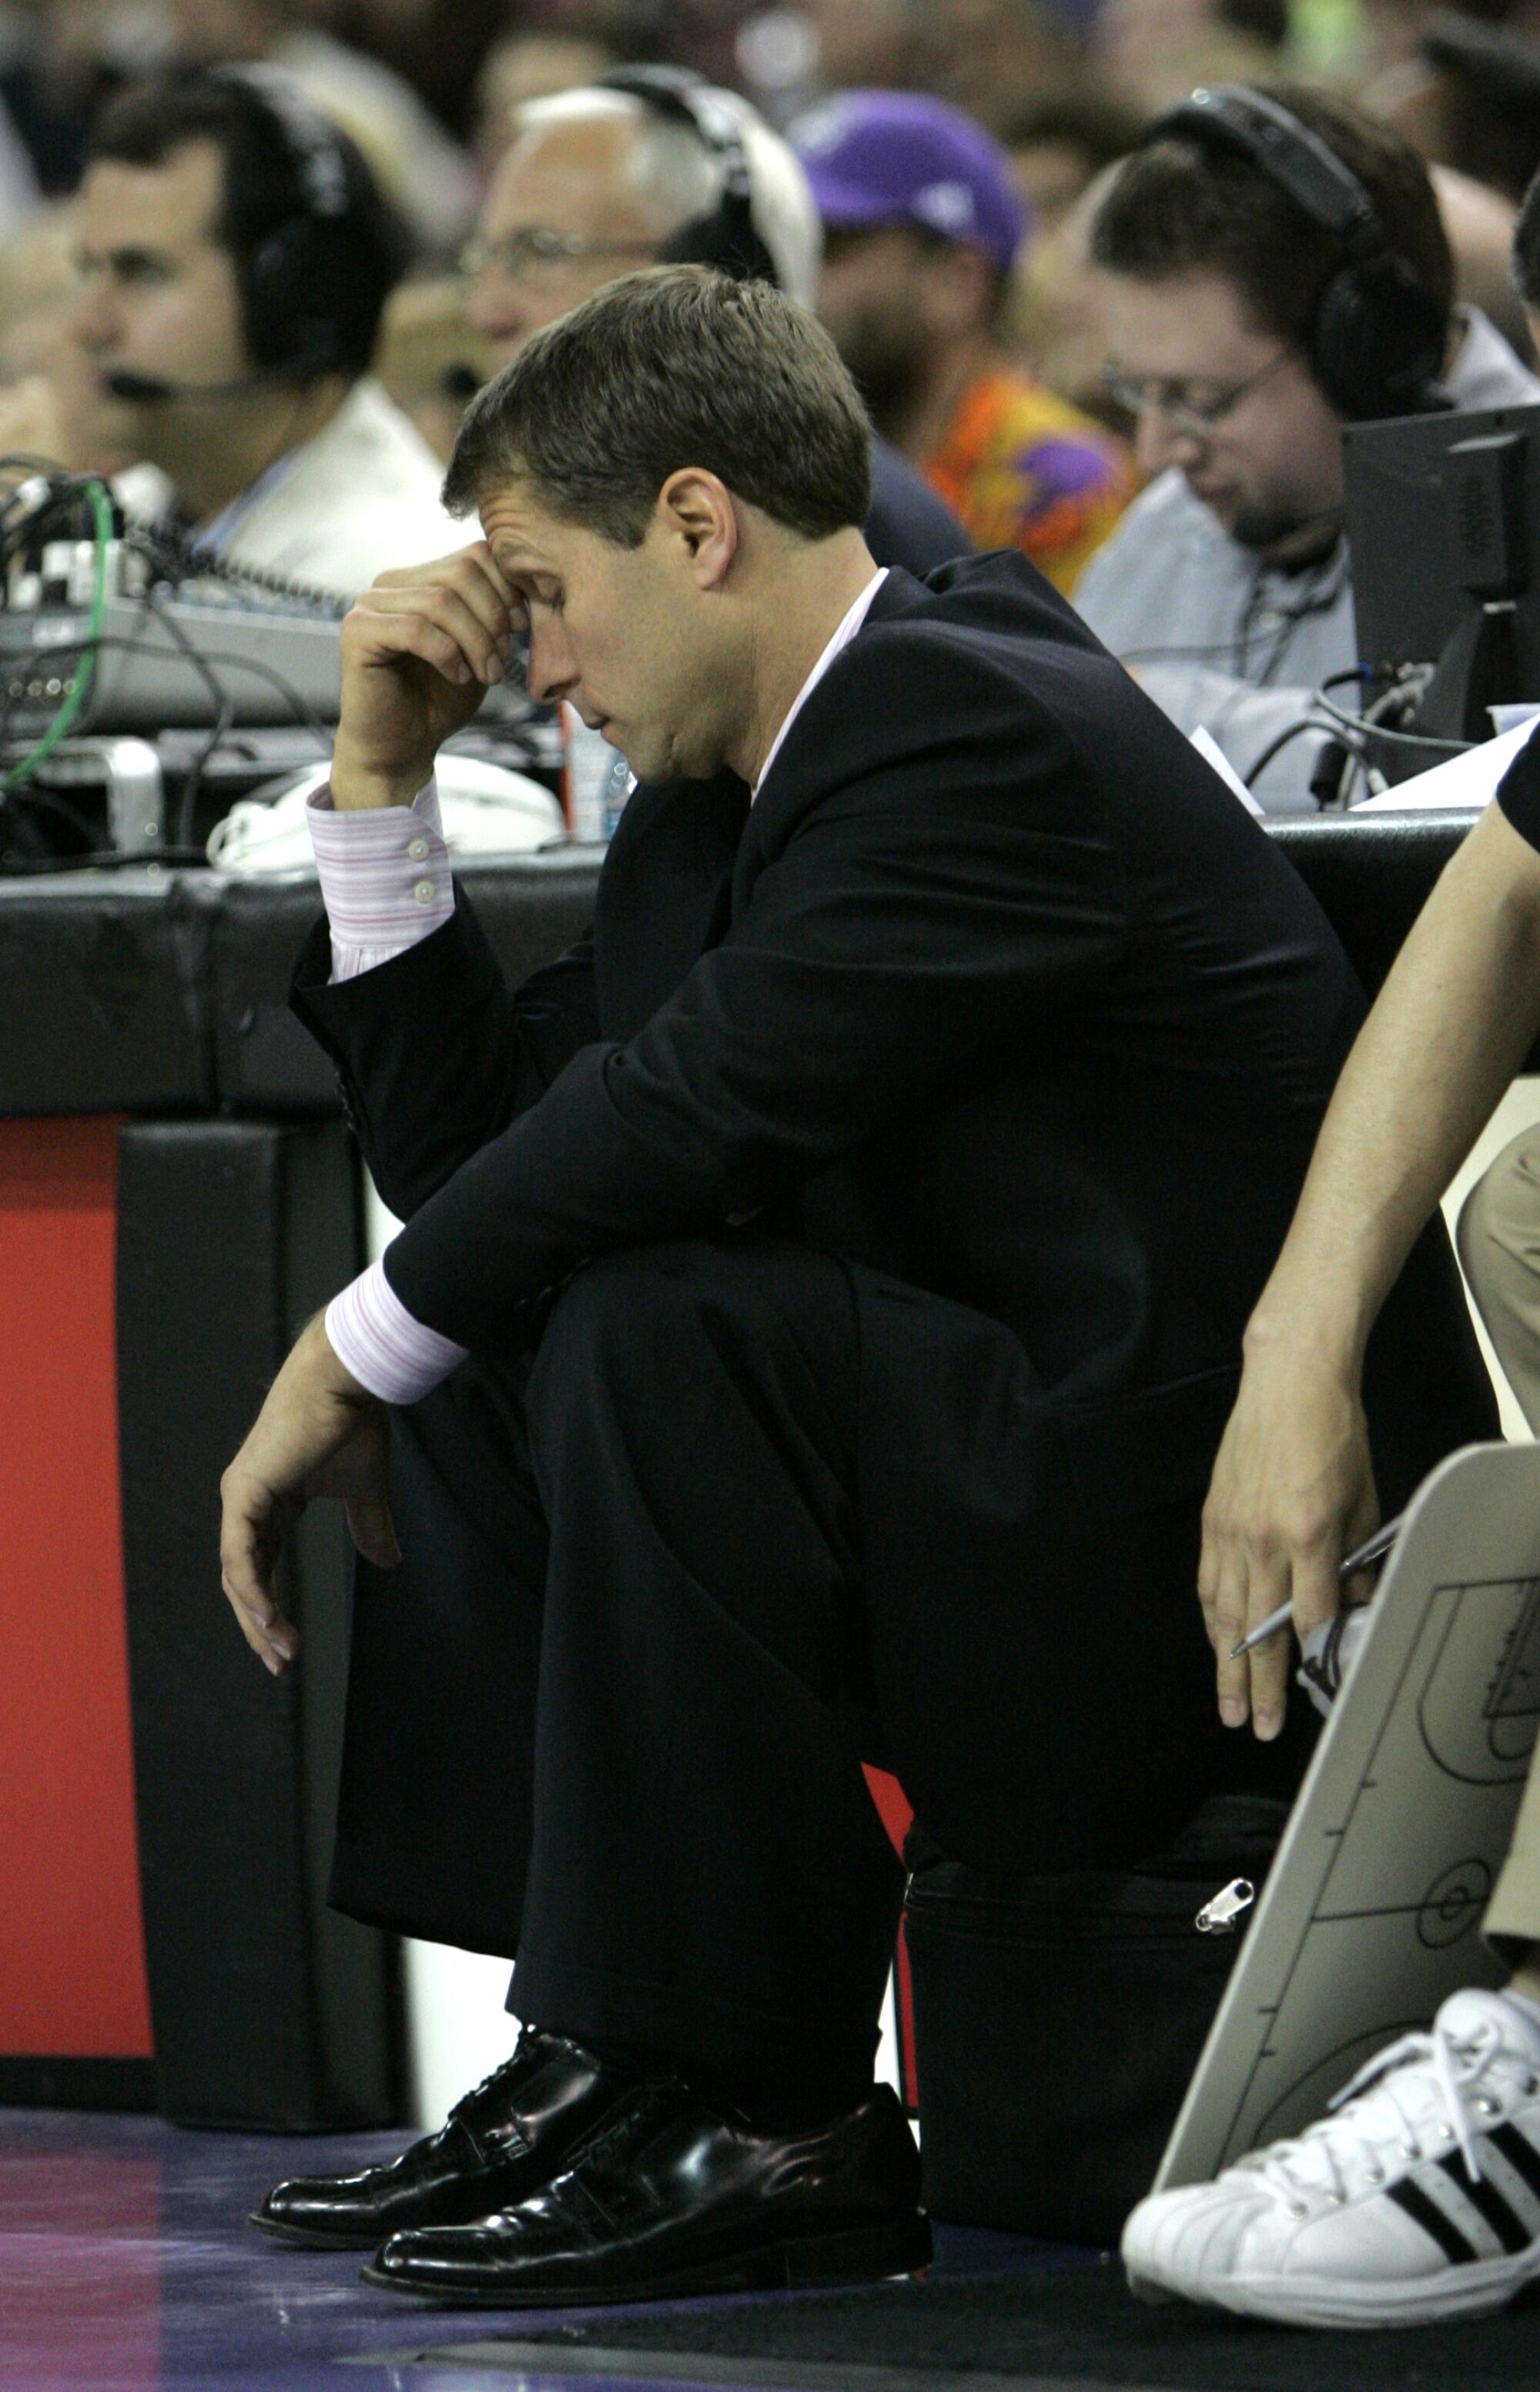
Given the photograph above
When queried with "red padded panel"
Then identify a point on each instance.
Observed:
(72, 1949)
(895, 1813)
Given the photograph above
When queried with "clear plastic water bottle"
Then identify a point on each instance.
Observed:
(598, 781)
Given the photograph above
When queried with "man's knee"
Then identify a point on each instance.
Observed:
(1497, 1235)
(655, 1323)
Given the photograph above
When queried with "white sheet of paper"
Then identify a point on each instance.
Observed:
(1461, 781)
(1212, 753)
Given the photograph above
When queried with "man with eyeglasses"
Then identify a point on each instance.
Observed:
(600, 181)
(1227, 586)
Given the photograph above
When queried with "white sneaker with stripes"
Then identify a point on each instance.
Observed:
(1416, 2199)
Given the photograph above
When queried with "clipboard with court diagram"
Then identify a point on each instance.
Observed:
(1372, 1910)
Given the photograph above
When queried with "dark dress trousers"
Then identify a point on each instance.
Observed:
(852, 1238)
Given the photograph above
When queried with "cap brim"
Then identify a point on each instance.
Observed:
(843, 204)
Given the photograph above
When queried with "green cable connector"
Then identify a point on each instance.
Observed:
(74, 696)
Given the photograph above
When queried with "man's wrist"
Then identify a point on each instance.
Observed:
(314, 1351)
(360, 787)
(1322, 1341)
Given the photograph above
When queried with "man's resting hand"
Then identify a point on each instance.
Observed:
(318, 1432)
(420, 650)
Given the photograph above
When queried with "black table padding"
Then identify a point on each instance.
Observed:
(532, 909)
(104, 994)
(1372, 874)
(1070, 2323)
(161, 994)
(268, 2008)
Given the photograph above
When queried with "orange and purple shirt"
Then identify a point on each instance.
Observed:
(1021, 468)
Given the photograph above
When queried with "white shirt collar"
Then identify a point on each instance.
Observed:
(850, 625)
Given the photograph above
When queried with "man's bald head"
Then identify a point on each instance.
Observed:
(596, 183)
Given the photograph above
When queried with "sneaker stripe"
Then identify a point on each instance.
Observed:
(1431, 2218)
(1510, 2230)
(1519, 2154)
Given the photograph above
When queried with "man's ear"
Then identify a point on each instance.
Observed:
(696, 515)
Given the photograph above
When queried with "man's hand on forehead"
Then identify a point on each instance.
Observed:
(420, 650)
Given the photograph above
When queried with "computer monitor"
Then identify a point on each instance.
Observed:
(1444, 528)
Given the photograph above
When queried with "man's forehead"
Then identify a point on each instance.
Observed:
(521, 536)
(1188, 325)
(571, 175)
(167, 205)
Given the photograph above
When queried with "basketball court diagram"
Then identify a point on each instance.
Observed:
(1372, 1912)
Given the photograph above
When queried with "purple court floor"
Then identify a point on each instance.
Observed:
(126, 2265)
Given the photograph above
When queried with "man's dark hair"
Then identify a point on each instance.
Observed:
(672, 366)
(1184, 205)
(344, 266)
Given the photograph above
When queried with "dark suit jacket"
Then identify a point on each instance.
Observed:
(996, 991)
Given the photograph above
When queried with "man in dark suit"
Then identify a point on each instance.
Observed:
(818, 1303)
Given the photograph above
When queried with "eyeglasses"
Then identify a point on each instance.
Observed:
(1194, 417)
(534, 253)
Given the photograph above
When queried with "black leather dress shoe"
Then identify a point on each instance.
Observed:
(498, 2144)
(675, 2195)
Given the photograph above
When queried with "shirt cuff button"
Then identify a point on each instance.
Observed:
(426, 891)
(418, 851)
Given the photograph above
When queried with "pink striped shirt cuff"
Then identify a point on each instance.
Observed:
(385, 884)
(384, 876)
(390, 1353)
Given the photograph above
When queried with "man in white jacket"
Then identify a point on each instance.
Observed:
(235, 257)
(1246, 327)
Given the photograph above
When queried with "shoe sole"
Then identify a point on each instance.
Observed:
(1481, 2290)
(861, 2254)
(310, 2238)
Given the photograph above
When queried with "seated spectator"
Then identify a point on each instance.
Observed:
(853, 1239)
(235, 257)
(600, 179)
(922, 226)
(1227, 586)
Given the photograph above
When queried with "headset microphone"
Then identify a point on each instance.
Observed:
(153, 390)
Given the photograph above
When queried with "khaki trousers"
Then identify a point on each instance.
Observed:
(1498, 1239)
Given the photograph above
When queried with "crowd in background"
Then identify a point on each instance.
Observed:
(428, 87)
(1046, 335)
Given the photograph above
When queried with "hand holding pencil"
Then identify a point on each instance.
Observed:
(1292, 1491)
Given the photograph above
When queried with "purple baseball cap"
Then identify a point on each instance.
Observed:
(900, 157)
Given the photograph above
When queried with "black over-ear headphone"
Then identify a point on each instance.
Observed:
(728, 237)
(1376, 345)
(292, 280)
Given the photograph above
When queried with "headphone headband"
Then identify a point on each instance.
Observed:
(312, 144)
(1261, 129)
(728, 237)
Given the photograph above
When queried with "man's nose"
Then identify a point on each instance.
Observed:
(93, 317)
(494, 306)
(551, 672)
(1158, 443)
